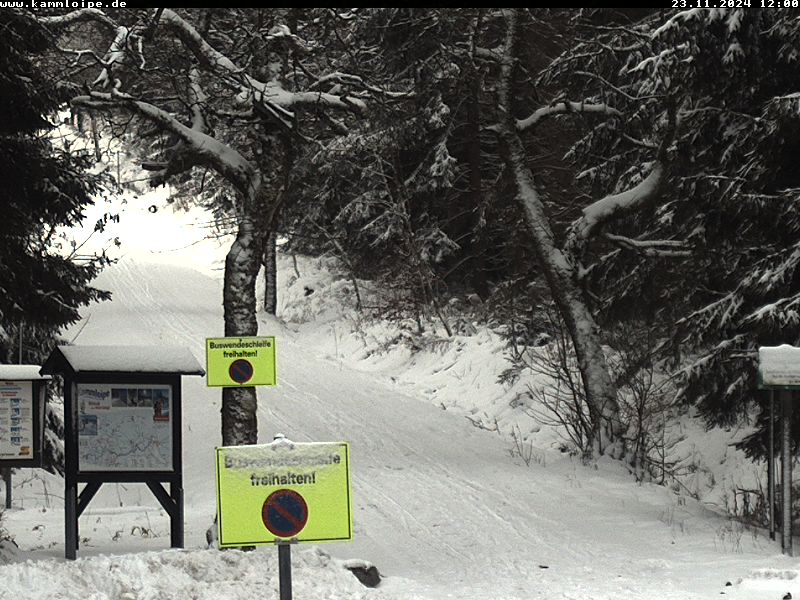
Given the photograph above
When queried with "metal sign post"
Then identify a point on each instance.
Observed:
(285, 571)
(771, 466)
(786, 470)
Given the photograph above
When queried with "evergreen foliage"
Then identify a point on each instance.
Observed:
(42, 188)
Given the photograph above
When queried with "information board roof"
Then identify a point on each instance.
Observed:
(21, 372)
(123, 359)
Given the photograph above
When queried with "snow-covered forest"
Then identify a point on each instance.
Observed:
(556, 237)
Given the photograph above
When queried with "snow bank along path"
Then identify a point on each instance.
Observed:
(441, 508)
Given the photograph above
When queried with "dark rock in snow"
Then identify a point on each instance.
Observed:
(788, 596)
(368, 575)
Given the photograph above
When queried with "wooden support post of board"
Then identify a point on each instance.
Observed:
(7, 480)
(176, 522)
(70, 519)
(172, 503)
(786, 472)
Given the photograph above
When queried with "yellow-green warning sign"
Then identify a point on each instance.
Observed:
(284, 491)
(240, 361)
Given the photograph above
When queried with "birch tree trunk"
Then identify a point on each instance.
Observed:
(561, 274)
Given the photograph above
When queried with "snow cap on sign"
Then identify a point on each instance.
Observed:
(126, 359)
(779, 366)
(21, 372)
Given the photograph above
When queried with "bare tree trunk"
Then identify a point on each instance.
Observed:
(98, 154)
(474, 161)
(560, 272)
(271, 274)
(239, 418)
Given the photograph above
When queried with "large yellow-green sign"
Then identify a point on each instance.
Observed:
(240, 361)
(284, 491)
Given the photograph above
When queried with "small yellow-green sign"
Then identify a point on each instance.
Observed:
(284, 491)
(240, 361)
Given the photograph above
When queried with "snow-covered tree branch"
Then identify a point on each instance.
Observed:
(562, 108)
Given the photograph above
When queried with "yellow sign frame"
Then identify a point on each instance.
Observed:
(248, 475)
(259, 352)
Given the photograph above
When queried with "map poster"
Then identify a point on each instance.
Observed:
(16, 420)
(124, 427)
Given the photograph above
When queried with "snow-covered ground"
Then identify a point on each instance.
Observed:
(443, 508)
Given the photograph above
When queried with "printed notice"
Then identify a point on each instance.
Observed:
(16, 420)
(124, 427)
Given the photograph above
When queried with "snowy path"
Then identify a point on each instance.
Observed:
(441, 507)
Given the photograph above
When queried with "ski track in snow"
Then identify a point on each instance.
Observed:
(441, 507)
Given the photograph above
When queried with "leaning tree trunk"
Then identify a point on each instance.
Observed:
(599, 388)
(239, 420)
(560, 272)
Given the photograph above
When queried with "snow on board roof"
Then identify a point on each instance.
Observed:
(126, 359)
(21, 372)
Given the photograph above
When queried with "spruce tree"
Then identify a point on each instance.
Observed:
(42, 189)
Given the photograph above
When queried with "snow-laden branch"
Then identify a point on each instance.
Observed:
(197, 101)
(663, 248)
(271, 95)
(180, 157)
(268, 93)
(77, 16)
(205, 149)
(491, 54)
(358, 82)
(210, 57)
(562, 108)
(116, 54)
(614, 206)
(79, 54)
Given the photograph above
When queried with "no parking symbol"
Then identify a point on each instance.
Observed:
(241, 371)
(285, 513)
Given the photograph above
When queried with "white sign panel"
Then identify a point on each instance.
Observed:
(779, 366)
(16, 420)
(124, 427)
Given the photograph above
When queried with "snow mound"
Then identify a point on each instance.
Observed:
(180, 574)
